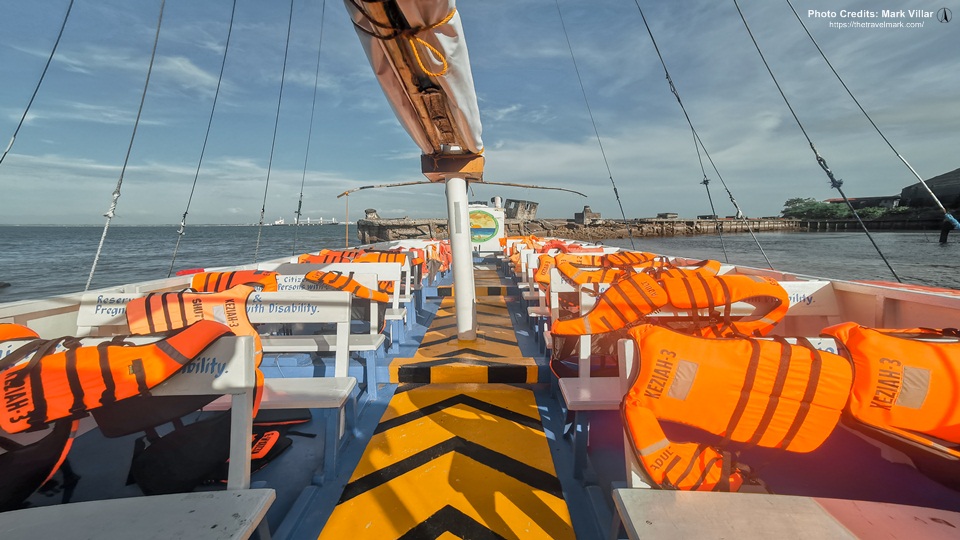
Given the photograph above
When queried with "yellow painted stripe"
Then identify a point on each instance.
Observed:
(480, 433)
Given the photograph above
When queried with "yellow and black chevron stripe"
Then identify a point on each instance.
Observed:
(493, 357)
(484, 290)
(471, 461)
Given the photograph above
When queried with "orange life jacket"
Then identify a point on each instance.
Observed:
(767, 393)
(221, 281)
(52, 385)
(625, 302)
(707, 267)
(639, 295)
(446, 255)
(902, 384)
(587, 269)
(345, 282)
(542, 275)
(560, 245)
(685, 466)
(385, 286)
(382, 257)
(418, 256)
(322, 258)
(16, 331)
(162, 312)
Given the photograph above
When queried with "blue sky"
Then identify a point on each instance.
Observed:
(67, 157)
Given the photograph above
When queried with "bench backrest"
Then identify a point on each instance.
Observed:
(383, 271)
(109, 309)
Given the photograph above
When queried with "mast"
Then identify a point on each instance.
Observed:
(419, 55)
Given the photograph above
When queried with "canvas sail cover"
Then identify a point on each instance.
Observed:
(418, 52)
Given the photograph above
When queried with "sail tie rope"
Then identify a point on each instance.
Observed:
(206, 137)
(834, 182)
(412, 37)
(37, 89)
(136, 123)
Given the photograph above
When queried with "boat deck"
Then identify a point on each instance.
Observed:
(466, 439)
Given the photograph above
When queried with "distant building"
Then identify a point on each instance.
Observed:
(517, 209)
(946, 187)
(586, 217)
(667, 215)
(891, 201)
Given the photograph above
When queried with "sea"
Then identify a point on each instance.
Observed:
(42, 261)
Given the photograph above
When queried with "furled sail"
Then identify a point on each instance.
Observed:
(419, 55)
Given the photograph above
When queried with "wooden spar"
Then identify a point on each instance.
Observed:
(507, 184)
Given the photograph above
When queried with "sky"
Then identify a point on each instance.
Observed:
(537, 129)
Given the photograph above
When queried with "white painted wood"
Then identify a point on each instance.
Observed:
(648, 513)
(210, 515)
(305, 393)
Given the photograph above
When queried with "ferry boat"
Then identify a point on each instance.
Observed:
(483, 386)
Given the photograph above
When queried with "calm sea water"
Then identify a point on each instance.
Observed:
(43, 261)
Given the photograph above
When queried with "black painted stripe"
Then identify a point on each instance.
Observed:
(506, 374)
(470, 350)
(450, 520)
(461, 399)
(501, 341)
(457, 361)
(438, 328)
(413, 374)
(425, 344)
(407, 387)
(519, 471)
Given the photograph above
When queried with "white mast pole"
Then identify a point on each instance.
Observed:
(458, 225)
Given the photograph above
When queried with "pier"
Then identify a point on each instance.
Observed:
(841, 225)
(382, 230)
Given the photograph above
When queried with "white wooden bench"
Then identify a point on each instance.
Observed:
(329, 395)
(697, 514)
(237, 380)
(105, 314)
(210, 515)
(398, 317)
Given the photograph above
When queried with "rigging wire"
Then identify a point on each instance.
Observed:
(719, 227)
(136, 123)
(206, 137)
(37, 89)
(594, 122)
(313, 108)
(879, 132)
(835, 183)
(276, 123)
(698, 144)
